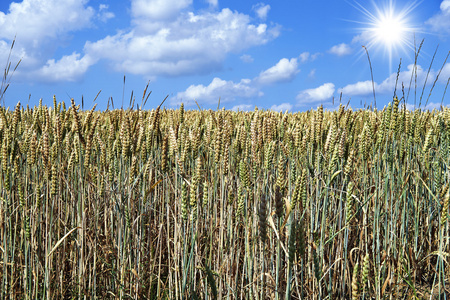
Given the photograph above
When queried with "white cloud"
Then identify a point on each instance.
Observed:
(429, 106)
(213, 3)
(312, 73)
(103, 14)
(440, 22)
(158, 9)
(306, 56)
(34, 22)
(190, 44)
(243, 107)
(261, 10)
(285, 70)
(363, 88)
(364, 38)
(218, 88)
(445, 74)
(41, 27)
(164, 37)
(16, 55)
(341, 49)
(246, 58)
(359, 88)
(388, 85)
(68, 68)
(322, 93)
(281, 107)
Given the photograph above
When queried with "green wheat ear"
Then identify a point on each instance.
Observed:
(184, 201)
(444, 213)
(349, 207)
(365, 270)
(355, 282)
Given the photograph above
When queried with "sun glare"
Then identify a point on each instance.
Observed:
(388, 28)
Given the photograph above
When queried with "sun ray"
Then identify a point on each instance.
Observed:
(388, 29)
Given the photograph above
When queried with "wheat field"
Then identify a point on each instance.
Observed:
(203, 204)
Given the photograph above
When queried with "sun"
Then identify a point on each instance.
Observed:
(388, 28)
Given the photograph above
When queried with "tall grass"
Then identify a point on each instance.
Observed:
(175, 204)
(212, 204)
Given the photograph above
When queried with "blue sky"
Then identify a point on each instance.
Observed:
(281, 55)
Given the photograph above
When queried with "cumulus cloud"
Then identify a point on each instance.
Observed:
(261, 10)
(363, 88)
(429, 106)
(341, 49)
(218, 88)
(388, 84)
(189, 44)
(213, 3)
(306, 56)
(158, 9)
(68, 68)
(281, 107)
(284, 71)
(246, 58)
(41, 28)
(34, 22)
(322, 93)
(359, 88)
(445, 74)
(164, 37)
(242, 107)
(440, 22)
(103, 14)
(17, 54)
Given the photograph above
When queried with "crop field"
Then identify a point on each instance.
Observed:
(203, 204)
